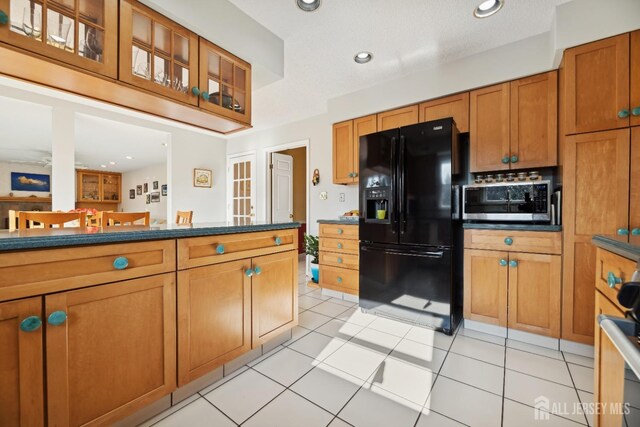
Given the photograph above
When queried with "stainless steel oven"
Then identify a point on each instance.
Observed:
(508, 201)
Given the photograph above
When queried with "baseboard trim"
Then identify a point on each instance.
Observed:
(577, 348)
(535, 339)
(474, 325)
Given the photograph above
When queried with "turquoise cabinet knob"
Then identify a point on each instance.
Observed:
(340, 231)
(508, 241)
(635, 232)
(339, 245)
(355, 174)
(205, 95)
(612, 280)
(623, 114)
(623, 232)
(339, 280)
(278, 241)
(195, 90)
(350, 174)
(4, 19)
(257, 270)
(503, 263)
(514, 159)
(636, 111)
(57, 318)
(220, 249)
(120, 263)
(248, 272)
(339, 260)
(513, 263)
(505, 159)
(30, 324)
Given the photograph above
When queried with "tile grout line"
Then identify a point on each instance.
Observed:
(504, 382)
(575, 388)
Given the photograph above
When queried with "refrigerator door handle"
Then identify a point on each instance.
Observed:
(394, 177)
(402, 202)
(431, 254)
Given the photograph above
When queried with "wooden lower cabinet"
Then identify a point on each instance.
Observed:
(485, 286)
(21, 364)
(274, 295)
(115, 352)
(214, 317)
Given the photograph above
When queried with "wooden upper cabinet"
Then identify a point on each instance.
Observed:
(343, 161)
(22, 363)
(485, 286)
(597, 85)
(635, 78)
(534, 121)
(362, 126)
(114, 353)
(157, 54)
(225, 83)
(93, 186)
(456, 106)
(489, 128)
(393, 119)
(82, 33)
(596, 201)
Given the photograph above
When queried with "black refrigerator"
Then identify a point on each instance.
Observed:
(410, 231)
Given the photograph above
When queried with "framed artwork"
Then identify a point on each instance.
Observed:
(30, 182)
(155, 197)
(132, 194)
(164, 189)
(148, 198)
(155, 185)
(202, 178)
(139, 190)
(146, 187)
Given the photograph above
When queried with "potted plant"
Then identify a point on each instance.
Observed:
(311, 245)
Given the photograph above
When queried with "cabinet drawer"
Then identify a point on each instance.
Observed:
(339, 279)
(199, 251)
(340, 260)
(30, 273)
(543, 242)
(343, 246)
(622, 268)
(339, 231)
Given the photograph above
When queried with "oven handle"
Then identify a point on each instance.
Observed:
(612, 326)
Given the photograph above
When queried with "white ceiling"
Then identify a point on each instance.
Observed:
(26, 130)
(404, 36)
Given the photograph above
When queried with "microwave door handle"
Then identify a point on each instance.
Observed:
(394, 178)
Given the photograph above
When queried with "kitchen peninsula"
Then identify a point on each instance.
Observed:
(138, 316)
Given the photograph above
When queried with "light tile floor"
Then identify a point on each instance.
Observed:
(343, 367)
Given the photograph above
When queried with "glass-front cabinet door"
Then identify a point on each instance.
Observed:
(83, 33)
(226, 82)
(89, 188)
(157, 54)
(110, 188)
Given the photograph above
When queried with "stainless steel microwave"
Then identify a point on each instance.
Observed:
(508, 201)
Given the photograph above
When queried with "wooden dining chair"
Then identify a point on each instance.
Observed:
(184, 217)
(13, 223)
(49, 219)
(110, 219)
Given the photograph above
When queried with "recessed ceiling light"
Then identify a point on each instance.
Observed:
(488, 8)
(103, 166)
(308, 5)
(363, 57)
(112, 163)
(129, 157)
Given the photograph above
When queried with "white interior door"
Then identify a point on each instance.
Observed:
(241, 196)
(282, 187)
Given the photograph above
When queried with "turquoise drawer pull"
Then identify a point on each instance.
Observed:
(278, 241)
(195, 90)
(508, 241)
(612, 280)
(205, 95)
(350, 174)
(120, 263)
(57, 318)
(339, 260)
(636, 111)
(248, 272)
(257, 270)
(623, 232)
(355, 174)
(503, 263)
(635, 232)
(505, 160)
(30, 324)
(623, 114)
(339, 245)
(340, 231)
(513, 263)
(339, 280)
(220, 249)
(514, 159)
(4, 19)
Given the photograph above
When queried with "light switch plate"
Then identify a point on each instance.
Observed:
(323, 195)
(341, 197)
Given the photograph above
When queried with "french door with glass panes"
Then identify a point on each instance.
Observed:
(241, 192)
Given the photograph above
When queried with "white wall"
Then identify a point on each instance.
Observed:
(5, 179)
(149, 174)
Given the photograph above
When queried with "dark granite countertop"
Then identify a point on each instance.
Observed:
(39, 238)
(625, 246)
(339, 221)
(522, 227)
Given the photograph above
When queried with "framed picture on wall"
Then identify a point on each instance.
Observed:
(132, 194)
(139, 190)
(155, 185)
(202, 178)
(155, 197)
(146, 187)
(30, 182)
(148, 198)
(164, 189)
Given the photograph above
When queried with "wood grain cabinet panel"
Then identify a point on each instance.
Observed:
(214, 317)
(339, 231)
(635, 78)
(340, 279)
(596, 201)
(485, 286)
(514, 241)
(597, 85)
(274, 295)
(346, 246)
(456, 106)
(535, 293)
(489, 128)
(342, 260)
(343, 159)
(115, 352)
(634, 180)
(361, 126)
(21, 365)
(393, 119)
(534, 121)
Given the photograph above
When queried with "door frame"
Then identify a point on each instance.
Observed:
(229, 199)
